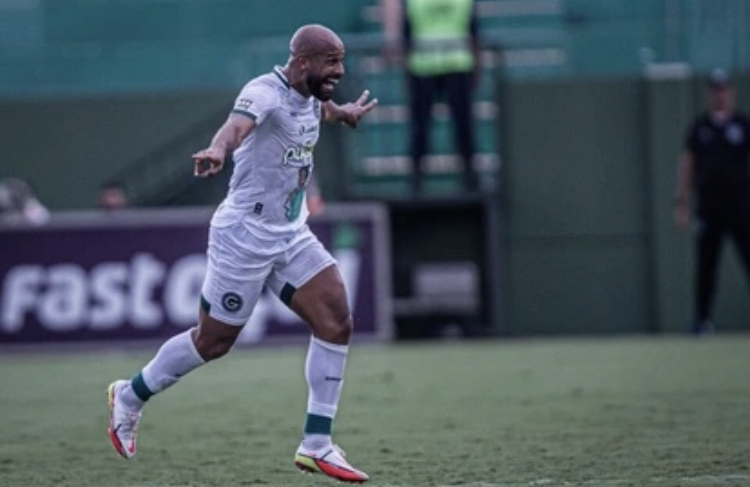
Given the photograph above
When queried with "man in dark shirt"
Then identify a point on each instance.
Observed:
(714, 188)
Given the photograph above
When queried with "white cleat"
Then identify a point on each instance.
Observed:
(329, 461)
(123, 421)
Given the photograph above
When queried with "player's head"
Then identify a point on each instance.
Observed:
(721, 94)
(317, 55)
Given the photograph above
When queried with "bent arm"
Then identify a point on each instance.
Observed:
(211, 160)
(233, 132)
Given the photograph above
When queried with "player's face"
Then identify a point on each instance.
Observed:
(722, 98)
(324, 72)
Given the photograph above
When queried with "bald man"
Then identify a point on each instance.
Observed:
(259, 238)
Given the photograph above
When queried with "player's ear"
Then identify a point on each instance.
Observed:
(303, 62)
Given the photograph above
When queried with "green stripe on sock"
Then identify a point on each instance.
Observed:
(140, 388)
(318, 425)
(286, 294)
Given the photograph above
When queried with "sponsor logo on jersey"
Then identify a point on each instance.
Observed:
(298, 156)
(244, 104)
(307, 129)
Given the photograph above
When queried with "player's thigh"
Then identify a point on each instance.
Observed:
(311, 285)
(322, 303)
(237, 268)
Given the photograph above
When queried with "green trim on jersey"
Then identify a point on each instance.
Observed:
(247, 114)
(280, 75)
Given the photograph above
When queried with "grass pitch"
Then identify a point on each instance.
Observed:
(659, 411)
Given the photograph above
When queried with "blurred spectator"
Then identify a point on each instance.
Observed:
(112, 196)
(714, 190)
(440, 43)
(392, 15)
(19, 204)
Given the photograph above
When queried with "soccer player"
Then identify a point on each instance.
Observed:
(259, 237)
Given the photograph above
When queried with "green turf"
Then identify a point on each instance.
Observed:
(621, 411)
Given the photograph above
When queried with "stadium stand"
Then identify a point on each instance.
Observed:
(110, 47)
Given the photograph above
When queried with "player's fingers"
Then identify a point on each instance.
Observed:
(202, 167)
(370, 106)
(362, 98)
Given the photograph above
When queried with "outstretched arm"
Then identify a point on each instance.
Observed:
(349, 113)
(210, 161)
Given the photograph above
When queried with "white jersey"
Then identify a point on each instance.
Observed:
(274, 164)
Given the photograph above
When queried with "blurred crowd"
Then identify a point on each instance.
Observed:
(19, 204)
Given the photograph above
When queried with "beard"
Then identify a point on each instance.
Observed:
(316, 86)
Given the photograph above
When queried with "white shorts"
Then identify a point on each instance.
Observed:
(241, 264)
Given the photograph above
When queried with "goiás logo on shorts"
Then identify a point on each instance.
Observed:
(231, 302)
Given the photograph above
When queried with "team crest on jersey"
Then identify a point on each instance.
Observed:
(231, 302)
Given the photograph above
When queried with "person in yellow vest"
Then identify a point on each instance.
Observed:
(441, 54)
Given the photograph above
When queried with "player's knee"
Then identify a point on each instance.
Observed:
(212, 347)
(338, 331)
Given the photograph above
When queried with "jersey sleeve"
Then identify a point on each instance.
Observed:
(256, 101)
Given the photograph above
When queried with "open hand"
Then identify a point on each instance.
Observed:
(351, 113)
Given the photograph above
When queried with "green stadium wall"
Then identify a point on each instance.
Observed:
(588, 244)
(588, 183)
(66, 147)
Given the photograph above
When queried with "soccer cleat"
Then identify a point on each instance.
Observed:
(123, 422)
(328, 461)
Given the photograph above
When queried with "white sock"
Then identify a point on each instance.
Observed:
(324, 371)
(176, 357)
